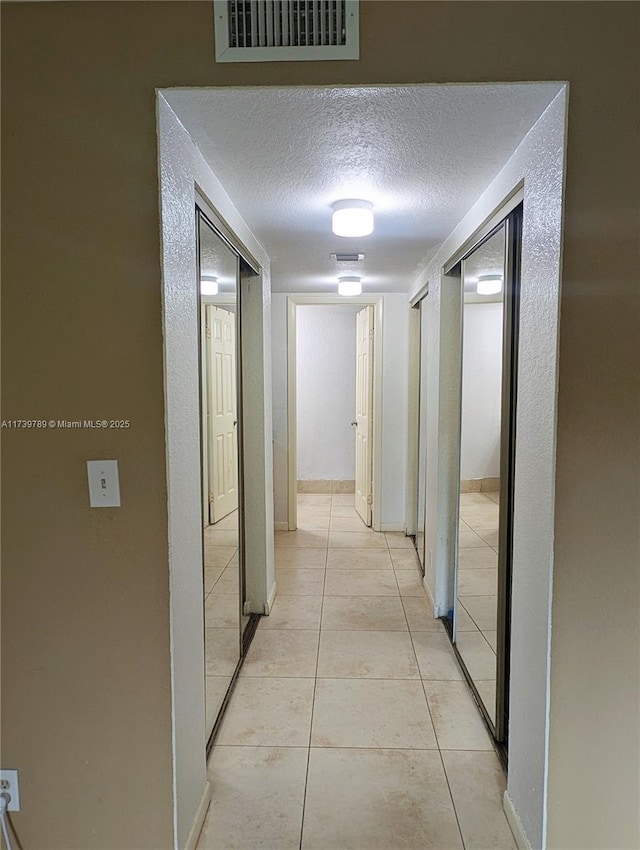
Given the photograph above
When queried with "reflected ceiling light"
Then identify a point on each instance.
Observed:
(208, 285)
(352, 218)
(349, 286)
(489, 284)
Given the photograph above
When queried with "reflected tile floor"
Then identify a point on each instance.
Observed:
(350, 727)
(221, 612)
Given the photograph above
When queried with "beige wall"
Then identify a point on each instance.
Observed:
(85, 593)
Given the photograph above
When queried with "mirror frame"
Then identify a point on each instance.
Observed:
(512, 223)
(246, 268)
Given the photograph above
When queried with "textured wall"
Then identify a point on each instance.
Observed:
(85, 594)
(326, 338)
(180, 326)
(182, 166)
(538, 161)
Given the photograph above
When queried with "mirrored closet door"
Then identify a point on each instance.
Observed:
(489, 312)
(218, 272)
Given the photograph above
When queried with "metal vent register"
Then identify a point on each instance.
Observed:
(286, 30)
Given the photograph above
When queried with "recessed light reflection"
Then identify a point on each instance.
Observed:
(489, 284)
(349, 286)
(208, 285)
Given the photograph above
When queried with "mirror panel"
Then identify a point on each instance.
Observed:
(478, 553)
(218, 271)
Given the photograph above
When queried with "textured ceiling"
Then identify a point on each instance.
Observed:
(421, 154)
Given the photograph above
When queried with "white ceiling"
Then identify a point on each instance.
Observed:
(421, 154)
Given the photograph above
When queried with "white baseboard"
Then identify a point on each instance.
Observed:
(391, 526)
(268, 605)
(514, 822)
(196, 829)
(281, 526)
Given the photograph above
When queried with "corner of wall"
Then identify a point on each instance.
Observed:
(515, 824)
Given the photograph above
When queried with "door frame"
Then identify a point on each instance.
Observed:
(413, 417)
(417, 433)
(293, 302)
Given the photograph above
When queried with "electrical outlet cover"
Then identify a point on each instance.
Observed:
(9, 785)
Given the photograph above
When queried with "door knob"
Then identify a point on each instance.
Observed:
(355, 422)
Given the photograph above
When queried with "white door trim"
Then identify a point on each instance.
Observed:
(293, 302)
(363, 410)
(413, 419)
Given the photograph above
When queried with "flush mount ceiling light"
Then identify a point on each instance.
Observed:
(349, 286)
(208, 285)
(489, 284)
(352, 218)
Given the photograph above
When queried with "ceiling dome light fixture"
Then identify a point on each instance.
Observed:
(489, 284)
(349, 286)
(352, 218)
(208, 285)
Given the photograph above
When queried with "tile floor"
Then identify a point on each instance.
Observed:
(221, 611)
(350, 727)
(477, 591)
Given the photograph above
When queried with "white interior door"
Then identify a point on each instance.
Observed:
(223, 440)
(364, 413)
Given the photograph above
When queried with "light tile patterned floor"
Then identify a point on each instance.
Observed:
(350, 727)
(221, 611)
(477, 591)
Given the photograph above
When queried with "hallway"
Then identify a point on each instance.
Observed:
(350, 726)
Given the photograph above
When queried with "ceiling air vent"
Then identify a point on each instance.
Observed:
(348, 258)
(286, 30)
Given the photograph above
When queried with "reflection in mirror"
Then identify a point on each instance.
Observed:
(476, 604)
(218, 287)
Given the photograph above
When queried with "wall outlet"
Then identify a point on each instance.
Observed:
(9, 785)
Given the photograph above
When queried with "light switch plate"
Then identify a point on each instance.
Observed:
(104, 486)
